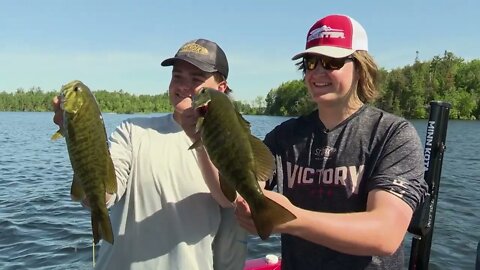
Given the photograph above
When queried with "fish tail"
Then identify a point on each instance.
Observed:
(266, 214)
(102, 228)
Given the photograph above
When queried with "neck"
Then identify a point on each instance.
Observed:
(332, 114)
(177, 118)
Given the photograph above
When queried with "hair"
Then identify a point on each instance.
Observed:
(367, 71)
(220, 78)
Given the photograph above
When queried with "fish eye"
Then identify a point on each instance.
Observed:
(77, 88)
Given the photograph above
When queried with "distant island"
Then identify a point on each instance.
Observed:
(406, 91)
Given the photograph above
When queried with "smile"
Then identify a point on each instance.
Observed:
(321, 84)
(183, 96)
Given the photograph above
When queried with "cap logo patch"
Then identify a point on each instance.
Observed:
(194, 48)
(325, 32)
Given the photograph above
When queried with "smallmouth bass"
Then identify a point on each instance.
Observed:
(241, 159)
(93, 170)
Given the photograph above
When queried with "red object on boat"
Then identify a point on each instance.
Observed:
(270, 262)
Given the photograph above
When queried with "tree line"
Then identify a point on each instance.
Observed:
(405, 91)
(36, 100)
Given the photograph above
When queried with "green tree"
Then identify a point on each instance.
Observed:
(290, 98)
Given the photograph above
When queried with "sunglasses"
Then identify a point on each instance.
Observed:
(328, 63)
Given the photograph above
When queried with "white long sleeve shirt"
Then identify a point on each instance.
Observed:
(163, 215)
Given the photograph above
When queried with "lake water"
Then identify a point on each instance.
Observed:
(41, 228)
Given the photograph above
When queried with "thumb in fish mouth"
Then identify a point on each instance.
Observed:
(183, 103)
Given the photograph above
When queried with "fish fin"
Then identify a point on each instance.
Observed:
(264, 160)
(245, 124)
(111, 180)
(76, 191)
(199, 124)
(198, 127)
(57, 135)
(227, 189)
(266, 214)
(101, 227)
(196, 144)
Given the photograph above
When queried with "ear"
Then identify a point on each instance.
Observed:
(222, 86)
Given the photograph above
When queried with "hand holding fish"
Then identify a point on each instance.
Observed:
(58, 117)
(244, 215)
(187, 117)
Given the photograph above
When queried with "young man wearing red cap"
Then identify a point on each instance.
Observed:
(168, 211)
(351, 173)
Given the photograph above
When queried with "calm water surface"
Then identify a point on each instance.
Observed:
(41, 228)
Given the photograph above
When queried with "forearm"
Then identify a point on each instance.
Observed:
(377, 231)
(210, 174)
(365, 233)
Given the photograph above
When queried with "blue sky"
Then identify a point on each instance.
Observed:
(119, 44)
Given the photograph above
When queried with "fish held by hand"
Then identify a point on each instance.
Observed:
(86, 139)
(241, 159)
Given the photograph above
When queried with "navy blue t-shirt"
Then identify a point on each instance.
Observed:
(333, 171)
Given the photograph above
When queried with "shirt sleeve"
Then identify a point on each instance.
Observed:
(121, 153)
(400, 168)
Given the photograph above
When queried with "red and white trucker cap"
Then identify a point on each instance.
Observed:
(336, 36)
